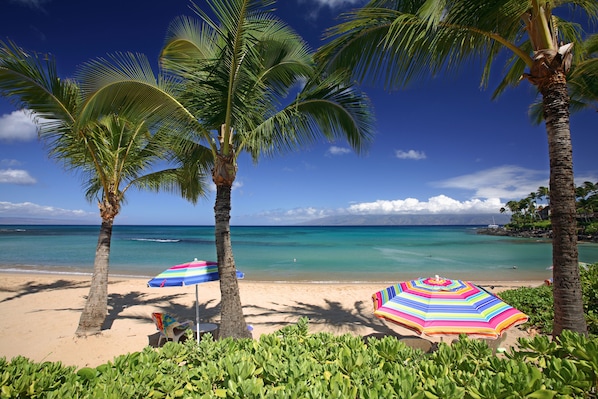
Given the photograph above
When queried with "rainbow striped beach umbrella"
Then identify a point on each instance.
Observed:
(439, 306)
(191, 273)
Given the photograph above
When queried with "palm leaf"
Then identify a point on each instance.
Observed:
(31, 81)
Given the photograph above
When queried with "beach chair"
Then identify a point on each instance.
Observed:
(169, 327)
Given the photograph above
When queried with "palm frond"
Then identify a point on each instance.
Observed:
(126, 85)
(396, 42)
(327, 107)
(31, 81)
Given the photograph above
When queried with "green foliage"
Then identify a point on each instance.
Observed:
(292, 363)
(537, 302)
(589, 289)
(591, 229)
(526, 214)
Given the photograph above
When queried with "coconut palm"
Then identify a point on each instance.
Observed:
(394, 41)
(112, 153)
(246, 83)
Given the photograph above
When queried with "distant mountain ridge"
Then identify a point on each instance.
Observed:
(411, 220)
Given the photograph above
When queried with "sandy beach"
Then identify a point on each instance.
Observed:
(40, 313)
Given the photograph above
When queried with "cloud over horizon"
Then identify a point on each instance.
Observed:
(490, 189)
(29, 209)
(434, 205)
(508, 182)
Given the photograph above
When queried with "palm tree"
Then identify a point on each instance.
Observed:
(113, 153)
(394, 41)
(543, 193)
(245, 82)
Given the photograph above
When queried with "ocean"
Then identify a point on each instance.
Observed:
(295, 253)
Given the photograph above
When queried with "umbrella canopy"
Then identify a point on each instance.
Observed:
(190, 273)
(439, 306)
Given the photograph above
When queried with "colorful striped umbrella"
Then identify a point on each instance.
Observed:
(439, 306)
(191, 273)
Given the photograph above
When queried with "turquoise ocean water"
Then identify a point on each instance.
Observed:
(267, 253)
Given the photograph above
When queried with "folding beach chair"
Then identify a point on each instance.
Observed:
(169, 327)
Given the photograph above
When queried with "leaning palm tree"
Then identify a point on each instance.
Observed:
(246, 83)
(113, 154)
(395, 41)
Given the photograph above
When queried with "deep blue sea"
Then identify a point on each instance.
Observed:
(274, 253)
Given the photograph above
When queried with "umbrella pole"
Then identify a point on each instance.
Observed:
(197, 312)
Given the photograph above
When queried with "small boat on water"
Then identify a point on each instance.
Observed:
(493, 225)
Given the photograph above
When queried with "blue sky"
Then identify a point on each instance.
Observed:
(441, 146)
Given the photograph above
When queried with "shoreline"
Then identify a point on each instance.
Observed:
(507, 274)
(41, 313)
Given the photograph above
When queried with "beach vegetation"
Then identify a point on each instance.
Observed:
(393, 43)
(240, 81)
(292, 363)
(527, 214)
(537, 302)
(112, 153)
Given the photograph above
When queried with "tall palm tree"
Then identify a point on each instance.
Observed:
(395, 41)
(113, 153)
(246, 82)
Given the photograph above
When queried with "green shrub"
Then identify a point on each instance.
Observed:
(538, 302)
(292, 363)
(591, 229)
(535, 302)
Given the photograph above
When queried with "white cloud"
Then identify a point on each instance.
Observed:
(337, 3)
(29, 209)
(440, 204)
(15, 176)
(334, 150)
(489, 190)
(507, 182)
(17, 126)
(411, 154)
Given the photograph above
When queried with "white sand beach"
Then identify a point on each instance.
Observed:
(40, 313)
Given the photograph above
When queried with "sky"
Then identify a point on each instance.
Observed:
(442, 146)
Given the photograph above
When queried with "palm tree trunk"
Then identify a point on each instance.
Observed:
(568, 301)
(96, 306)
(232, 322)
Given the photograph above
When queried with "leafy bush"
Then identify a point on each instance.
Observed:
(591, 229)
(295, 364)
(538, 302)
(589, 289)
(535, 302)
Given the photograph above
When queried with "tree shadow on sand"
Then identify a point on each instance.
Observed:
(333, 315)
(117, 303)
(32, 288)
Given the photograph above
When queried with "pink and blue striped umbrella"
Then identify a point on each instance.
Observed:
(439, 306)
(191, 273)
